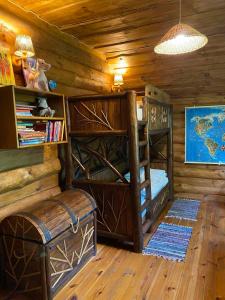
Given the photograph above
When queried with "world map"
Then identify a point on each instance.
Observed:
(205, 134)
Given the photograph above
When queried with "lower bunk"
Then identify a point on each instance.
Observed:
(115, 208)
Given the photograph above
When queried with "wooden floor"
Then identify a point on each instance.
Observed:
(116, 274)
(121, 275)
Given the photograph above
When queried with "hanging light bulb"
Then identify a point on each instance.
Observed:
(180, 39)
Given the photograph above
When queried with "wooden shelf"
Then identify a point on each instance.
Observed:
(42, 144)
(36, 92)
(10, 96)
(39, 118)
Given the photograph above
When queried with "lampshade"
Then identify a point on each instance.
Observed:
(180, 39)
(24, 46)
(118, 79)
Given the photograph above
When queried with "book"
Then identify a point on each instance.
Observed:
(24, 104)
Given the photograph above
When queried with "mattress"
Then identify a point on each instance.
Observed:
(159, 180)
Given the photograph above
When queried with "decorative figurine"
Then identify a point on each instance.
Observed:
(52, 85)
(43, 110)
(42, 81)
(30, 72)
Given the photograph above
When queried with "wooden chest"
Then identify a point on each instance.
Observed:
(43, 247)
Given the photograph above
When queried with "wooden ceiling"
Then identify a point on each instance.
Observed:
(131, 29)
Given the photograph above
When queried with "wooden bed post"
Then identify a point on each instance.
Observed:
(68, 148)
(170, 153)
(134, 171)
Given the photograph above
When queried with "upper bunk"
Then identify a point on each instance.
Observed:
(115, 114)
(158, 109)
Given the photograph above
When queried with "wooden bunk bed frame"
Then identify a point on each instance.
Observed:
(105, 141)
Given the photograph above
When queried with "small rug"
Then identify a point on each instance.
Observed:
(186, 209)
(170, 241)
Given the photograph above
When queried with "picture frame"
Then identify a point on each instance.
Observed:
(6, 68)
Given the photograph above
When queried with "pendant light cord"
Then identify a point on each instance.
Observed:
(180, 12)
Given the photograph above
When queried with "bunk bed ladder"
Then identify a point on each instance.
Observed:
(143, 142)
(139, 144)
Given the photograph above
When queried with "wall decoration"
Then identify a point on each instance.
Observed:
(30, 72)
(6, 69)
(52, 85)
(42, 68)
(205, 134)
(34, 73)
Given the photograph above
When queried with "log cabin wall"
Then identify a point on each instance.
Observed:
(195, 180)
(28, 176)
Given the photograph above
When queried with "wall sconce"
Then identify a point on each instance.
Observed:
(118, 81)
(24, 46)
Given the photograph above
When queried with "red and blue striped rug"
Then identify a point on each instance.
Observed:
(184, 209)
(170, 241)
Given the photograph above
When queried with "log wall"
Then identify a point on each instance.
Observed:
(28, 176)
(195, 180)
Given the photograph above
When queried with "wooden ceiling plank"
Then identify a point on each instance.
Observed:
(132, 16)
(201, 22)
(98, 9)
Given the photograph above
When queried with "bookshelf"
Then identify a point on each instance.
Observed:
(11, 123)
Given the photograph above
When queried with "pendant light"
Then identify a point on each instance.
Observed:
(180, 39)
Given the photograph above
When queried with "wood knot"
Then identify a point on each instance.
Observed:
(170, 288)
(73, 285)
(97, 259)
(129, 273)
(99, 273)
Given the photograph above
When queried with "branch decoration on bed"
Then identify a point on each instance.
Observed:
(205, 134)
(92, 155)
(91, 116)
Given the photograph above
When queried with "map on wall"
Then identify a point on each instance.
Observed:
(205, 134)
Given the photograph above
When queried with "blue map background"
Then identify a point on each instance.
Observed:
(196, 150)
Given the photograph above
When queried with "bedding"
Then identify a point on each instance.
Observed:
(159, 180)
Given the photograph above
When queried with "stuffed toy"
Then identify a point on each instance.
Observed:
(43, 110)
(42, 81)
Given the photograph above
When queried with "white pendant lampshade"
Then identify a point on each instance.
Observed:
(180, 39)
(24, 46)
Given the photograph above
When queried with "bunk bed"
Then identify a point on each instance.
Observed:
(112, 148)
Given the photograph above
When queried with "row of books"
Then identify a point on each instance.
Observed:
(23, 109)
(28, 135)
(54, 131)
(39, 132)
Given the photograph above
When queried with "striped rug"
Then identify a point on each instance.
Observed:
(170, 241)
(186, 209)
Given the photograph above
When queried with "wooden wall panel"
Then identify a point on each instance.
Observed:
(195, 180)
(28, 176)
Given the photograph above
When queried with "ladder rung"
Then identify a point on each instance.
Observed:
(144, 184)
(143, 143)
(143, 163)
(142, 122)
(146, 204)
(147, 224)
